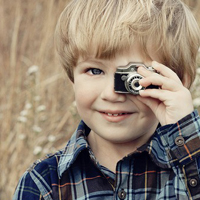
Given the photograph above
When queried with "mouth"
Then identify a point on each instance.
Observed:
(115, 114)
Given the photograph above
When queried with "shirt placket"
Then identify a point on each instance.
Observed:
(192, 180)
(124, 173)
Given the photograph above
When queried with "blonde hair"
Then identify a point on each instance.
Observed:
(103, 28)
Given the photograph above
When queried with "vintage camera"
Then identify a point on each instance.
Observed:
(127, 79)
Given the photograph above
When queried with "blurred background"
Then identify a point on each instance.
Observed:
(37, 109)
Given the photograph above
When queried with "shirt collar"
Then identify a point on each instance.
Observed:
(158, 148)
(157, 152)
(77, 143)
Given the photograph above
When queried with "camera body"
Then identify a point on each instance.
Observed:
(126, 79)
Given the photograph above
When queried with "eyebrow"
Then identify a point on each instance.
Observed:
(92, 61)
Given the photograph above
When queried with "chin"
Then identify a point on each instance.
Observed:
(122, 140)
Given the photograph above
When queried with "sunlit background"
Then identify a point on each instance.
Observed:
(37, 112)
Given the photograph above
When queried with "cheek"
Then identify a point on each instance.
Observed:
(85, 95)
(81, 96)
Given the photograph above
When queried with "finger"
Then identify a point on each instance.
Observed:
(160, 81)
(161, 95)
(161, 70)
(165, 71)
(150, 102)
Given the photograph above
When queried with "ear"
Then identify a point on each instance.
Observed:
(71, 83)
(186, 81)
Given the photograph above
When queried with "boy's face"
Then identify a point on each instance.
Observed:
(112, 117)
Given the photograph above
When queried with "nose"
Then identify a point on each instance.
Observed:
(108, 93)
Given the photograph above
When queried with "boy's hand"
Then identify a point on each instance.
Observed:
(172, 101)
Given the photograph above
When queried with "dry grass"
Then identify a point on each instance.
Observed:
(36, 100)
(36, 108)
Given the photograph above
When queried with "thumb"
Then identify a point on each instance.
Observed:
(152, 103)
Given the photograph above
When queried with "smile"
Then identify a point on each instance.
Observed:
(116, 114)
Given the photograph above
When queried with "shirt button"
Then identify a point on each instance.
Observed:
(179, 141)
(122, 194)
(193, 182)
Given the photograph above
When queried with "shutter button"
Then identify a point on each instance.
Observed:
(193, 182)
(179, 141)
(122, 194)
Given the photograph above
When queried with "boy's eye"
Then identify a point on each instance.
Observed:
(94, 71)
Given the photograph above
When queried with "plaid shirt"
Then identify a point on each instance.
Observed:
(167, 168)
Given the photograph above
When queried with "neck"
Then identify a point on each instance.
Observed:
(108, 153)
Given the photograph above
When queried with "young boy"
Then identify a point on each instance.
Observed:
(142, 145)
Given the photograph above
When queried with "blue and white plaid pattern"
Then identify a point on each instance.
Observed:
(160, 169)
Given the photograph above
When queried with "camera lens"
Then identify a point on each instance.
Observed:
(135, 84)
(132, 84)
